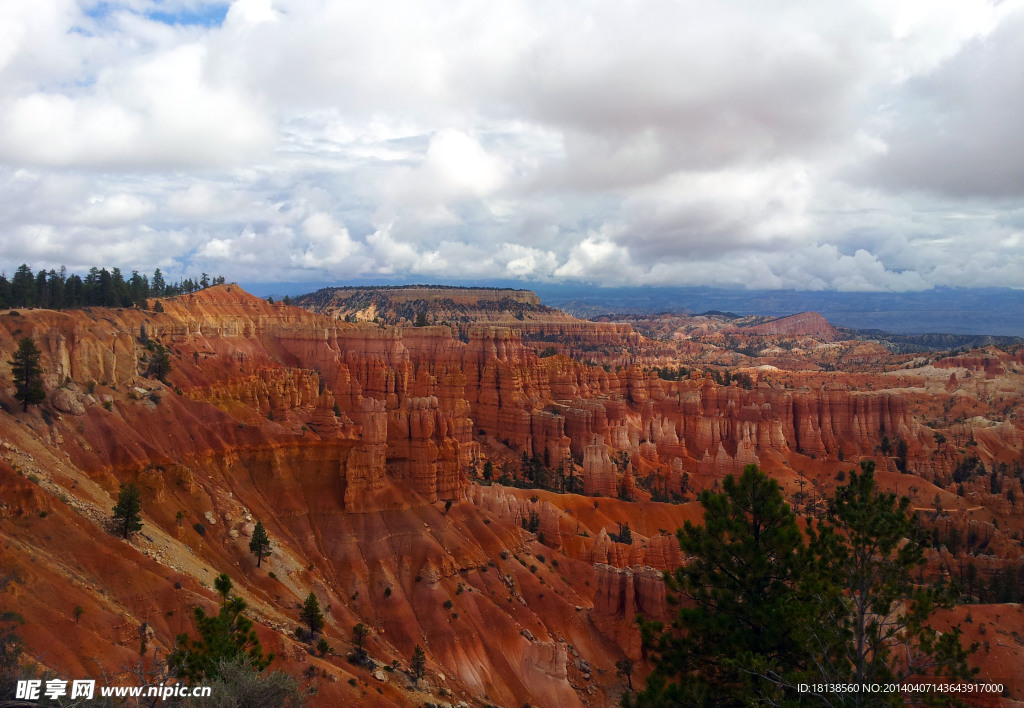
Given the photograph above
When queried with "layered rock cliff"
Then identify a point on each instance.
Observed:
(366, 451)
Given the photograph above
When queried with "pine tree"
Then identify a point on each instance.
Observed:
(42, 290)
(160, 363)
(105, 289)
(27, 374)
(625, 534)
(138, 287)
(532, 523)
(225, 637)
(875, 625)
(624, 668)
(222, 584)
(742, 603)
(23, 287)
(6, 300)
(770, 610)
(126, 513)
(158, 283)
(312, 615)
(259, 546)
(418, 665)
(359, 634)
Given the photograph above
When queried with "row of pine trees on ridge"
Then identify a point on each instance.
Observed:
(57, 289)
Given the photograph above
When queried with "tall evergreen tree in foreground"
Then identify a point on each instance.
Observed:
(27, 374)
(769, 609)
(747, 556)
(227, 636)
(875, 624)
(126, 513)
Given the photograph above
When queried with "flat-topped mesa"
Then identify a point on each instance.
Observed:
(423, 304)
(804, 324)
(458, 295)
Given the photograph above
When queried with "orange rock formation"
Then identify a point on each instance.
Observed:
(362, 447)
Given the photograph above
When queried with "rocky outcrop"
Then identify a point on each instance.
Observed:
(66, 401)
(805, 324)
(600, 477)
(457, 307)
(623, 593)
(516, 510)
(365, 468)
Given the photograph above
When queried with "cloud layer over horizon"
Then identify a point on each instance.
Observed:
(859, 146)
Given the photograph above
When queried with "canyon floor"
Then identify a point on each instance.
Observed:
(463, 485)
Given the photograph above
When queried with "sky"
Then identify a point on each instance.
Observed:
(874, 145)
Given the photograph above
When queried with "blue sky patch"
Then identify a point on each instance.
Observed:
(98, 11)
(204, 15)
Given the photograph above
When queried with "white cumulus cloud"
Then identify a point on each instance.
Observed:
(856, 146)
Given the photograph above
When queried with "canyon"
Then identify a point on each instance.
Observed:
(388, 463)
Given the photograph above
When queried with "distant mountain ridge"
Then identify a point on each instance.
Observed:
(959, 311)
(942, 310)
